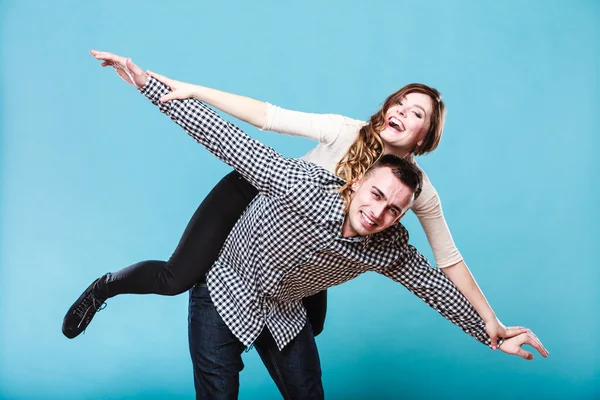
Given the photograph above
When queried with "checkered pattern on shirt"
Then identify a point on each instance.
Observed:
(288, 243)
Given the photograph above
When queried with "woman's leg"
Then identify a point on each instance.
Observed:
(316, 309)
(195, 254)
(198, 248)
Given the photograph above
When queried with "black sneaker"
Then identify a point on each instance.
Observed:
(83, 310)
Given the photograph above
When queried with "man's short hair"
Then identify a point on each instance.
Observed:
(406, 171)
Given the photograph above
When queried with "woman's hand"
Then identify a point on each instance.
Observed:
(179, 90)
(514, 345)
(495, 329)
(126, 69)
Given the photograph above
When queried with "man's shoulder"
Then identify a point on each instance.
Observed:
(313, 191)
(396, 235)
(314, 174)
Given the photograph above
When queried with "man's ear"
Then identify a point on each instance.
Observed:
(405, 210)
(399, 217)
(356, 184)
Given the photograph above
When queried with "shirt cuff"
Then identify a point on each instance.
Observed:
(153, 89)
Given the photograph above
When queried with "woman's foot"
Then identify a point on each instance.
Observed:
(83, 310)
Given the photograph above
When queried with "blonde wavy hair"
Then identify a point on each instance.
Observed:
(367, 149)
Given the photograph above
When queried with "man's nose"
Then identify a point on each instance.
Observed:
(378, 210)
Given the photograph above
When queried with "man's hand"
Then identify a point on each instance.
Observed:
(495, 329)
(514, 345)
(126, 69)
(179, 90)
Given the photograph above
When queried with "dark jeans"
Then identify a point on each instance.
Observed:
(217, 356)
(199, 248)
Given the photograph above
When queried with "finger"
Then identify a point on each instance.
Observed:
(105, 64)
(521, 328)
(96, 53)
(161, 78)
(514, 331)
(494, 342)
(536, 344)
(124, 76)
(133, 68)
(102, 55)
(536, 340)
(525, 354)
(169, 97)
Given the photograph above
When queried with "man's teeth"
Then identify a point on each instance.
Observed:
(370, 221)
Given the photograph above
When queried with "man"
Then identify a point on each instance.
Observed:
(300, 236)
(294, 240)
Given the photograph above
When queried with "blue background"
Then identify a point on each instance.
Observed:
(93, 178)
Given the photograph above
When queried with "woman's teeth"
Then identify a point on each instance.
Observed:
(397, 124)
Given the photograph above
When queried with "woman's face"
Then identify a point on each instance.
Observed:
(407, 122)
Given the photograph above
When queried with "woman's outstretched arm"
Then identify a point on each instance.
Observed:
(244, 108)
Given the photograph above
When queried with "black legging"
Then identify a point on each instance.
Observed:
(199, 248)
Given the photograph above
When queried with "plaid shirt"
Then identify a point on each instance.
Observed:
(288, 243)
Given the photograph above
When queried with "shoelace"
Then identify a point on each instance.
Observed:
(89, 303)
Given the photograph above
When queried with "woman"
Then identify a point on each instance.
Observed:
(409, 124)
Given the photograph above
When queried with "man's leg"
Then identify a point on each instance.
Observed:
(296, 369)
(216, 352)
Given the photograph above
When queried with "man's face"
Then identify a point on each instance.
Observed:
(378, 202)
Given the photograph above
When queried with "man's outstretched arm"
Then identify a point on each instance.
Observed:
(266, 169)
(433, 287)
